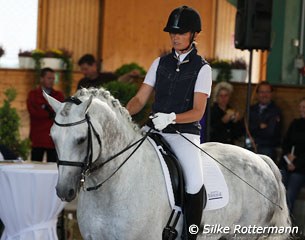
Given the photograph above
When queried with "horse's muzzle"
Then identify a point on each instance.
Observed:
(67, 194)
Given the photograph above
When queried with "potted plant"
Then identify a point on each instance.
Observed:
(26, 59)
(127, 68)
(238, 70)
(52, 59)
(221, 69)
(1, 52)
(10, 124)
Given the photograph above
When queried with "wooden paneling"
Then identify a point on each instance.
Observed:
(69, 24)
(133, 30)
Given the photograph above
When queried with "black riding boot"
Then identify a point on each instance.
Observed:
(195, 204)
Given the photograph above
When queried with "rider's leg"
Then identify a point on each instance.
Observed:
(191, 161)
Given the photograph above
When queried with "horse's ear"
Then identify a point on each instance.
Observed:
(55, 104)
(86, 104)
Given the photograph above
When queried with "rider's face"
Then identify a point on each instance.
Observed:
(181, 41)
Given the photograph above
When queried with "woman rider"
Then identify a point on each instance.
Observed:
(182, 83)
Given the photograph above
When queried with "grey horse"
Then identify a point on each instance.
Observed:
(133, 203)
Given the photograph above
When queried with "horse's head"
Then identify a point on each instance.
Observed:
(71, 136)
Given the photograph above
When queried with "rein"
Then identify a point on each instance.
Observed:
(87, 166)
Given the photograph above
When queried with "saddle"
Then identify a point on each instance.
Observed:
(174, 168)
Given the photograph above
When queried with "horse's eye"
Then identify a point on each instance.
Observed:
(81, 140)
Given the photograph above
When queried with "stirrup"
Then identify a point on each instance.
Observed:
(170, 232)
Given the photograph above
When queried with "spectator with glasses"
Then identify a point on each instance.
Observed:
(265, 121)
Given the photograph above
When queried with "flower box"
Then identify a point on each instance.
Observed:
(54, 63)
(26, 62)
(238, 75)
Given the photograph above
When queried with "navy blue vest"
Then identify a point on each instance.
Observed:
(174, 88)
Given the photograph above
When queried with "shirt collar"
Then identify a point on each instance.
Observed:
(182, 56)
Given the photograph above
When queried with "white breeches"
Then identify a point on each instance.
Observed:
(189, 157)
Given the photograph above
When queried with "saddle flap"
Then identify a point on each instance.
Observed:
(174, 168)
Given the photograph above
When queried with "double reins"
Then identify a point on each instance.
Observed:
(87, 166)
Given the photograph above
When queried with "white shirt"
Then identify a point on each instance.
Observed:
(203, 82)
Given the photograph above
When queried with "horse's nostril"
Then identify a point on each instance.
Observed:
(71, 193)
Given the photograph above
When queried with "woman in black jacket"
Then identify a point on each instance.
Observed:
(226, 126)
(293, 160)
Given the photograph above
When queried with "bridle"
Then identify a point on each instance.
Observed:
(87, 165)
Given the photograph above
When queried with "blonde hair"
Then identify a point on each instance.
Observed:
(222, 86)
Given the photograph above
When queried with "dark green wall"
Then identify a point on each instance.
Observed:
(274, 63)
(285, 27)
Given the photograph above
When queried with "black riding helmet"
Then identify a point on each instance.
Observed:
(183, 19)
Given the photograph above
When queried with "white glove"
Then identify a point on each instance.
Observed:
(162, 120)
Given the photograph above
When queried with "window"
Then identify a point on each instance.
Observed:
(18, 29)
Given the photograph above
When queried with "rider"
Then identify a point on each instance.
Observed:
(182, 83)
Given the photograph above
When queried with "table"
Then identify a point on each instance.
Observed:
(29, 205)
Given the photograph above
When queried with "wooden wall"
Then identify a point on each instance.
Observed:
(133, 30)
(69, 24)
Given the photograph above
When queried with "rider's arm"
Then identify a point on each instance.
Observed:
(138, 102)
(195, 114)
(140, 99)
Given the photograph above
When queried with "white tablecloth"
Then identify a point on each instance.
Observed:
(29, 205)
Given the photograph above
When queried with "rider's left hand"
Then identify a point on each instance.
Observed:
(162, 120)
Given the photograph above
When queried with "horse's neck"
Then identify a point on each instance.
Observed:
(142, 163)
(116, 136)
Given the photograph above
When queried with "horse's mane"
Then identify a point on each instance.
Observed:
(105, 96)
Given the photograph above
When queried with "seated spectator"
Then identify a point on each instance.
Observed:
(92, 78)
(42, 117)
(226, 126)
(265, 121)
(292, 163)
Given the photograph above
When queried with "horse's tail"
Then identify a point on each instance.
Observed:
(281, 217)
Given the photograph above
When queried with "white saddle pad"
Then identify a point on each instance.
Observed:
(214, 182)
